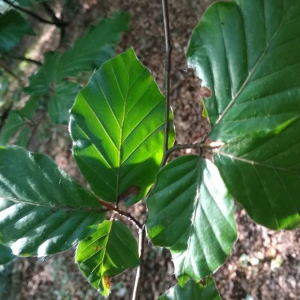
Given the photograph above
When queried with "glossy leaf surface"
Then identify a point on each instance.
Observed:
(61, 102)
(248, 54)
(42, 211)
(5, 255)
(192, 291)
(117, 125)
(12, 28)
(108, 252)
(191, 213)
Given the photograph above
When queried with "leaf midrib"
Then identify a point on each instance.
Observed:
(252, 71)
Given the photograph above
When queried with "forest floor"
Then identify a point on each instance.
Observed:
(264, 265)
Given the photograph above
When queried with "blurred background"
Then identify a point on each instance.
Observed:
(264, 265)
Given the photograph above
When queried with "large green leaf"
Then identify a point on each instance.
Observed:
(62, 101)
(42, 211)
(28, 3)
(248, 53)
(108, 252)
(192, 291)
(5, 255)
(191, 213)
(117, 125)
(12, 28)
(87, 54)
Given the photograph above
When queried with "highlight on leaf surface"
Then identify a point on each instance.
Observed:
(108, 252)
(50, 213)
(192, 291)
(190, 212)
(247, 54)
(117, 126)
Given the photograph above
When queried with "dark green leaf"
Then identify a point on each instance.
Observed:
(192, 291)
(94, 48)
(30, 108)
(14, 123)
(87, 54)
(12, 28)
(191, 213)
(43, 79)
(5, 255)
(248, 54)
(108, 252)
(42, 211)
(117, 125)
(28, 3)
(61, 102)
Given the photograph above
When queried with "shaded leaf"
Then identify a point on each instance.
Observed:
(13, 124)
(117, 125)
(108, 252)
(87, 54)
(12, 28)
(5, 255)
(248, 54)
(192, 291)
(191, 213)
(42, 211)
(61, 101)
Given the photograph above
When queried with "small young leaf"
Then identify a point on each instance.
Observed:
(191, 213)
(117, 125)
(12, 28)
(61, 101)
(247, 53)
(108, 252)
(50, 213)
(6, 255)
(192, 291)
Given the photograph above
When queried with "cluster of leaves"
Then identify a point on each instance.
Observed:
(55, 82)
(249, 61)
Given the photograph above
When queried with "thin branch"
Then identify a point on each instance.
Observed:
(6, 68)
(34, 15)
(25, 59)
(122, 213)
(167, 70)
(139, 271)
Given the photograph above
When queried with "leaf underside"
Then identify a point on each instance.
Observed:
(248, 54)
(108, 252)
(117, 125)
(42, 211)
(190, 213)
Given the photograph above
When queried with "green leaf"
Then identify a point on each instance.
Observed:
(248, 54)
(30, 107)
(87, 54)
(94, 48)
(5, 255)
(117, 125)
(28, 3)
(62, 101)
(14, 123)
(43, 79)
(192, 291)
(191, 213)
(12, 28)
(42, 211)
(108, 252)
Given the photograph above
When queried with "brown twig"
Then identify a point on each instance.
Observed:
(138, 276)
(122, 213)
(167, 70)
(59, 24)
(36, 127)
(24, 59)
